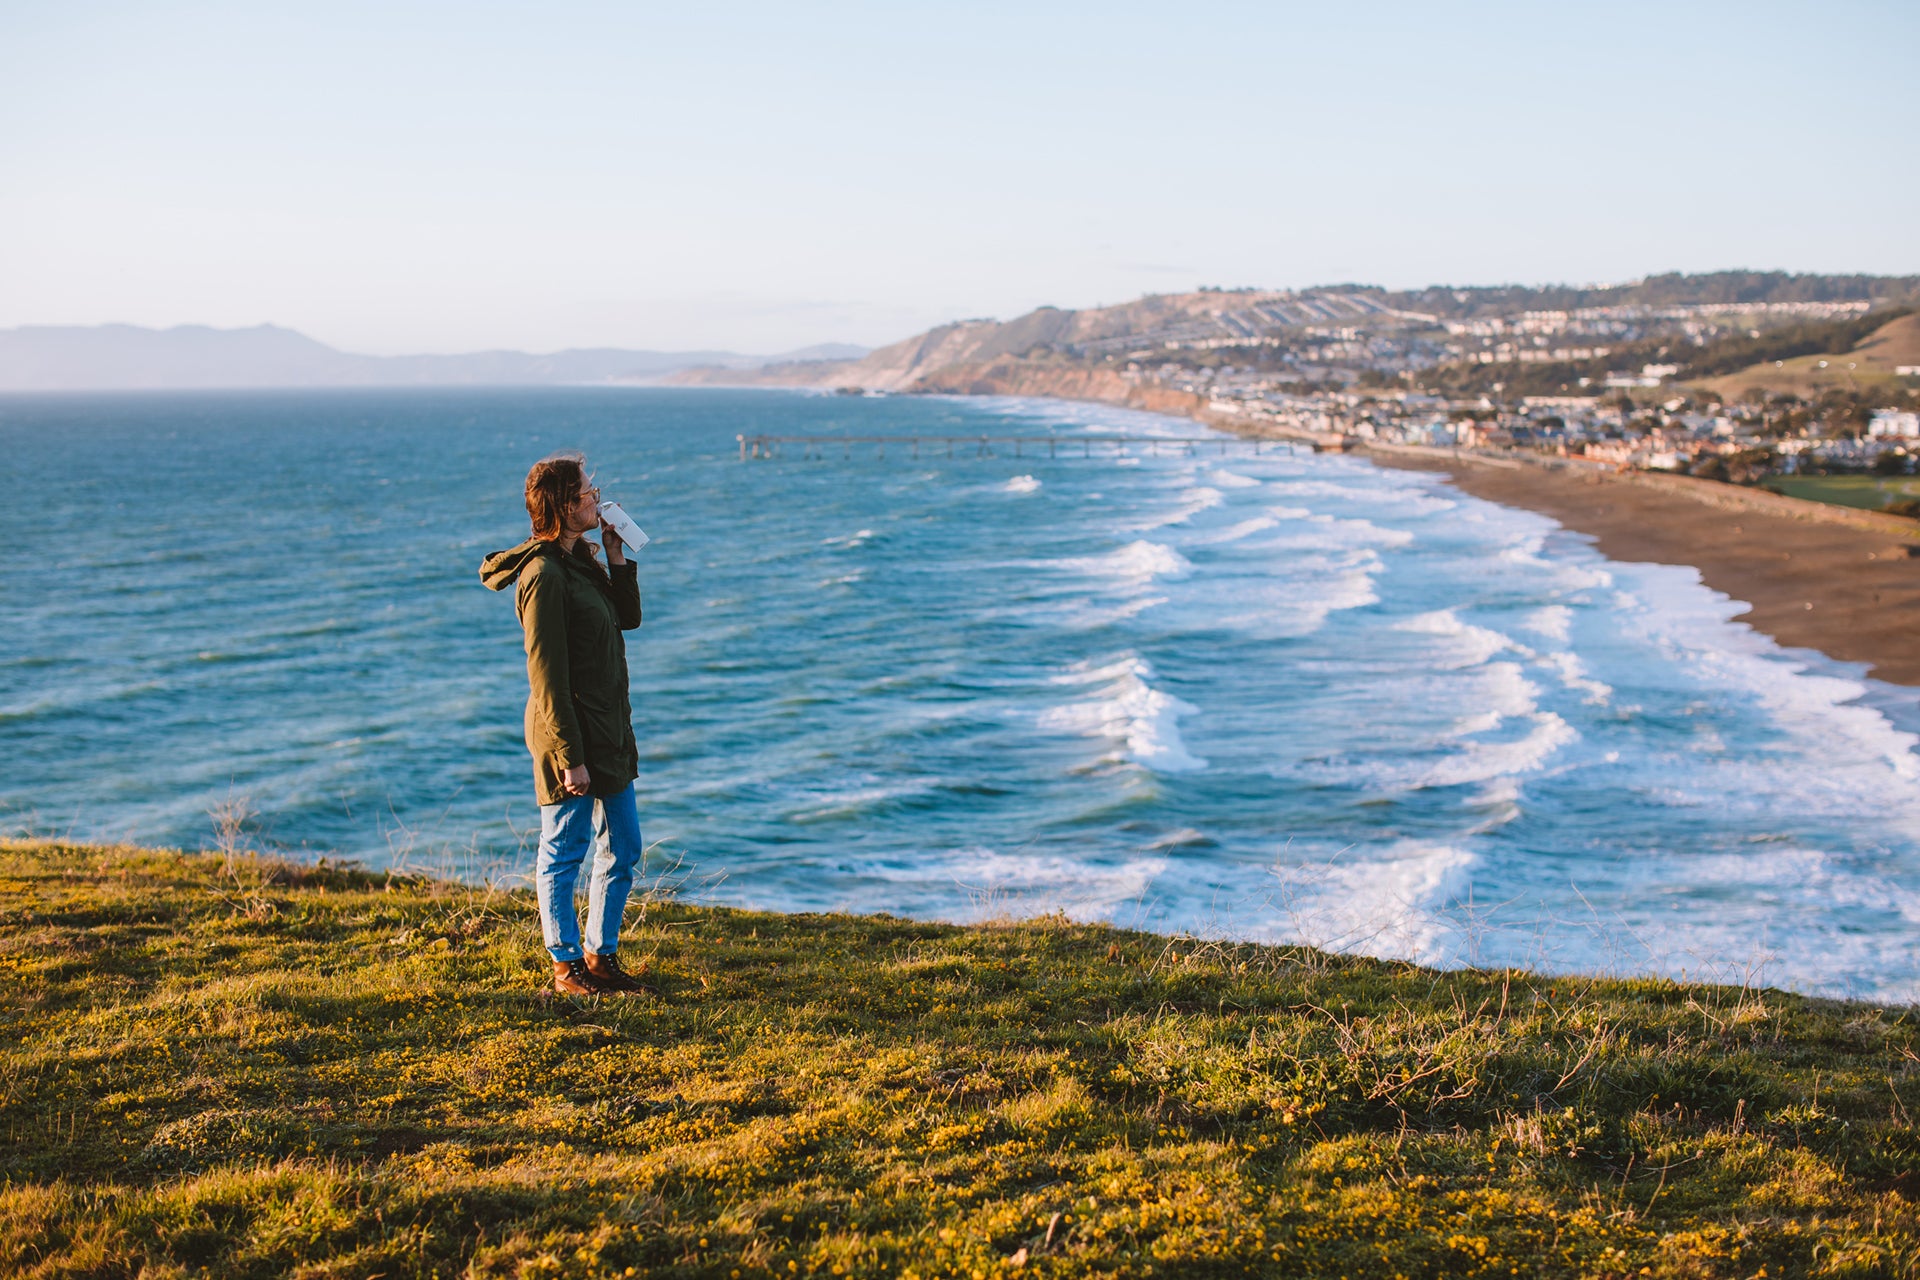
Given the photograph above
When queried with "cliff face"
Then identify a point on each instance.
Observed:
(1012, 377)
(1022, 358)
(920, 365)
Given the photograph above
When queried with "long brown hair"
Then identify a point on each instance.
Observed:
(553, 486)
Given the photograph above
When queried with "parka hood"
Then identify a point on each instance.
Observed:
(502, 569)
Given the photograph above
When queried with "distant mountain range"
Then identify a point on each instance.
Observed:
(124, 357)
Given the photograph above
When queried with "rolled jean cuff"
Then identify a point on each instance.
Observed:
(565, 955)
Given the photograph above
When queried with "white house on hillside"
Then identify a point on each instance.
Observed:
(1895, 422)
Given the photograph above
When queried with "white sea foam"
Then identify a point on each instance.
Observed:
(1142, 722)
(1670, 606)
(1232, 480)
(1485, 761)
(1703, 728)
(1357, 492)
(1324, 530)
(1351, 587)
(984, 883)
(1523, 548)
(1573, 674)
(1183, 838)
(1724, 799)
(1022, 484)
(1136, 563)
(1192, 502)
(1402, 901)
(1295, 599)
(1467, 645)
(1555, 622)
(1496, 693)
(1232, 533)
(1337, 584)
(1776, 914)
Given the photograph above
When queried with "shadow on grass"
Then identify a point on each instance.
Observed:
(260, 1070)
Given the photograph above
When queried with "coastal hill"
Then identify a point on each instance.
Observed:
(121, 357)
(220, 1065)
(1084, 353)
(983, 354)
(1876, 359)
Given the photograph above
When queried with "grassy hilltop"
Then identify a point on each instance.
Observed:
(233, 1068)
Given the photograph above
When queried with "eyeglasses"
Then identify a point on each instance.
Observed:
(588, 490)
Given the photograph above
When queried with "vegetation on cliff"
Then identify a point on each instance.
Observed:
(228, 1067)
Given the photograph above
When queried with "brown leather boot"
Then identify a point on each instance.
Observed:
(606, 971)
(573, 978)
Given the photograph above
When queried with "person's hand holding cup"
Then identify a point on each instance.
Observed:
(610, 541)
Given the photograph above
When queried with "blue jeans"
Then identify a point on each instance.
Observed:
(611, 825)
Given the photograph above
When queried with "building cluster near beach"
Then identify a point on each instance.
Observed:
(1666, 435)
(1735, 376)
(1348, 383)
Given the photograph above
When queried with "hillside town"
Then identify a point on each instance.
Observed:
(1750, 378)
(1364, 381)
(1667, 435)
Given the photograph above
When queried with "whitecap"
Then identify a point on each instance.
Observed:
(1183, 838)
(1142, 722)
(1138, 562)
(1573, 674)
(1337, 531)
(1022, 484)
(999, 884)
(1484, 761)
(1498, 692)
(1670, 606)
(1232, 533)
(1192, 503)
(1470, 645)
(1232, 480)
(1398, 902)
(1554, 621)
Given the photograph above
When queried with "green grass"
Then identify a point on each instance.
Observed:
(1870, 493)
(226, 1067)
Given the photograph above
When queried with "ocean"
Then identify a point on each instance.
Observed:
(1280, 697)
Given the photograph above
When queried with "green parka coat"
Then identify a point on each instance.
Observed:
(573, 611)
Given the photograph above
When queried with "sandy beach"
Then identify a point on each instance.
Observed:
(1844, 583)
(1841, 581)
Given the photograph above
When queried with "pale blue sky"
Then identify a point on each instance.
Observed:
(399, 176)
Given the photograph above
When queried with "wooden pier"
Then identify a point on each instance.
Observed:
(999, 446)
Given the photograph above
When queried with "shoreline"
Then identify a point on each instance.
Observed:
(1841, 582)
(1846, 587)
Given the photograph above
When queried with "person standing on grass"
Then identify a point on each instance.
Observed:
(579, 722)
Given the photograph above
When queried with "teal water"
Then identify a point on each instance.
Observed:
(1271, 697)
